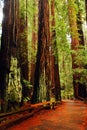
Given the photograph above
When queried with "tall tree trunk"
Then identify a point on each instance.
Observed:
(55, 65)
(8, 48)
(86, 9)
(34, 46)
(74, 40)
(79, 24)
(5, 49)
(23, 40)
(23, 45)
(41, 83)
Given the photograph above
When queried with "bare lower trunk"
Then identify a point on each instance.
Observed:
(8, 49)
(55, 65)
(42, 65)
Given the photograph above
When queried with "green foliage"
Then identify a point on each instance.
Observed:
(64, 47)
(67, 94)
(81, 62)
(26, 99)
(81, 56)
(63, 44)
(26, 83)
(13, 96)
(81, 7)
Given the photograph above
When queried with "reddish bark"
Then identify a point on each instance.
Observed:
(43, 49)
(54, 57)
(8, 44)
(23, 44)
(34, 42)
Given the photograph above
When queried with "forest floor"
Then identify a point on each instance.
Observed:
(70, 115)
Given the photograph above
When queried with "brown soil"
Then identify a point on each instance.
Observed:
(70, 115)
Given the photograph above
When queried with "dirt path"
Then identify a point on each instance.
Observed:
(71, 115)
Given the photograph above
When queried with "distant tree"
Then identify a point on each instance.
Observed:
(79, 22)
(55, 78)
(23, 39)
(74, 40)
(33, 43)
(79, 49)
(23, 43)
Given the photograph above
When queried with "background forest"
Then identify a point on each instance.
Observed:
(43, 51)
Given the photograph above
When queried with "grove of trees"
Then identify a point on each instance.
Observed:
(43, 52)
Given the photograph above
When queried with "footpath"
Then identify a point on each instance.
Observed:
(70, 115)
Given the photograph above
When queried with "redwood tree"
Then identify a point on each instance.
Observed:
(8, 45)
(74, 40)
(75, 20)
(33, 44)
(54, 56)
(23, 39)
(23, 45)
(79, 23)
(42, 64)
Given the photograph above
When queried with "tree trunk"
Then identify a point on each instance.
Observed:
(9, 51)
(23, 40)
(86, 9)
(79, 24)
(23, 46)
(34, 46)
(5, 49)
(74, 40)
(41, 83)
(55, 65)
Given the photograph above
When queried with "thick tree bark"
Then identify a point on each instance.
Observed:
(23, 40)
(34, 42)
(42, 64)
(5, 49)
(23, 46)
(8, 46)
(79, 24)
(54, 59)
(34, 45)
